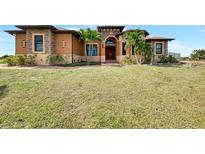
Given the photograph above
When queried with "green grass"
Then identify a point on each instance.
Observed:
(103, 97)
(82, 64)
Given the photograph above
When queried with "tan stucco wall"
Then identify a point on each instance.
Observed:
(164, 49)
(92, 58)
(67, 38)
(19, 48)
(77, 45)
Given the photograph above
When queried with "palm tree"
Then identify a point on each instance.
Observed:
(134, 39)
(90, 36)
(142, 49)
(147, 52)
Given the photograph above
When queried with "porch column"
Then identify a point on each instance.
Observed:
(102, 56)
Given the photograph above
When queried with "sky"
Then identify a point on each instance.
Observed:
(187, 38)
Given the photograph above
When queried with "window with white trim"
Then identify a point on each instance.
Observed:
(91, 49)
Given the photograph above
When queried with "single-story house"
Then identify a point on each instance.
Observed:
(44, 40)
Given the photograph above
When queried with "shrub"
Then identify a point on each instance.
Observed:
(163, 59)
(169, 59)
(128, 60)
(172, 59)
(27, 60)
(12, 60)
(55, 59)
(30, 60)
(185, 58)
(21, 60)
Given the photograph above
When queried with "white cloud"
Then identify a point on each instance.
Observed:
(180, 47)
(72, 28)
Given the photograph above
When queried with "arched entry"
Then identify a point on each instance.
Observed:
(110, 49)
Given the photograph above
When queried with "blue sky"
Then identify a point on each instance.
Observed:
(187, 38)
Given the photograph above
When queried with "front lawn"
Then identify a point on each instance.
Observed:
(103, 97)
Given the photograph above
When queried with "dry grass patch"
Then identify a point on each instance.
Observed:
(103, 97)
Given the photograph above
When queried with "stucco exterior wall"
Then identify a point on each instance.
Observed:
(164, 49)
(20, 49)
(77, 47)
(59, 38)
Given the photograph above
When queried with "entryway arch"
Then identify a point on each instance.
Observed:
(110, 49)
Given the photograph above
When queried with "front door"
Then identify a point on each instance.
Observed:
(110, 53)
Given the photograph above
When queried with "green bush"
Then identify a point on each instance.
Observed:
(26, 60)
(21, 60)
(128, 60)
(185, 58)
(55, 59)
(30, 60)
(169, 59)
(172, 59)
(163, 59)
(12, 60)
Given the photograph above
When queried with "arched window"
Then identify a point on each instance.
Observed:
(110, 41)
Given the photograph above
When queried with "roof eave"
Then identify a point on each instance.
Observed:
(13, 32)
(164, 39)
(36, 27)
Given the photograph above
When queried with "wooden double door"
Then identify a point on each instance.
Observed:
(110, 53)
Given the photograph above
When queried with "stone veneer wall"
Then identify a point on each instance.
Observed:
(49, 40)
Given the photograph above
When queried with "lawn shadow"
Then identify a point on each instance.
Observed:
(3, 90)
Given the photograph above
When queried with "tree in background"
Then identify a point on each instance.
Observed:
(198, 54)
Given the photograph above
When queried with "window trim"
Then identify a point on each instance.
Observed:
(33, 43)
(155, 48)
(93, 44)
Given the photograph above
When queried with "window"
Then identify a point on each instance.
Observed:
(91, 49)
(158, 48)
(38, 43)
(110, 42)
(123, 48)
